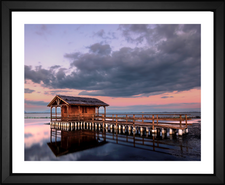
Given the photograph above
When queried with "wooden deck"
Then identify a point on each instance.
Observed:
(152, 122)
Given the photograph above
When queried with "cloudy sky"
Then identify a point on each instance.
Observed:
(136, 67)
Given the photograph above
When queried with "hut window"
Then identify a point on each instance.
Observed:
(84, 110)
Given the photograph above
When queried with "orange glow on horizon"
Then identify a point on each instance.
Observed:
(45, 94)
(191, 96)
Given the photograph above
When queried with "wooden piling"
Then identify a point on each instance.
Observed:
(92, 122)
(116, 123)
(103, 120)
(153, 126)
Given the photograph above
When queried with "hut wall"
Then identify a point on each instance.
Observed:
(73, 111)
(87, 112)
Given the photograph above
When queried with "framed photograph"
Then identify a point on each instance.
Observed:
(112, 92)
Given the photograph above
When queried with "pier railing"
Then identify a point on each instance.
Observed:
(154, 120)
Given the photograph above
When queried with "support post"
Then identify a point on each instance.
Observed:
(92, 122)
(133, 122)
(157, 119)
(153, 127)
(180, 132)
(163, 131)
(116, 122)
(171, 131)
(98, 111)
(103, 119)
(104, 111)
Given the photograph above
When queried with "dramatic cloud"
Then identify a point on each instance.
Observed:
(27, 90)
(39, 74)
(162, 33)
(100, 49)
(167, 60)
(55, 67)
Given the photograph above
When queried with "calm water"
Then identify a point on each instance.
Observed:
(46, 143)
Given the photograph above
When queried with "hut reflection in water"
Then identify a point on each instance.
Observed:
(63, 142)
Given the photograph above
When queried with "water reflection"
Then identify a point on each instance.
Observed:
(186, 148)
(63, 142)
(71, 139)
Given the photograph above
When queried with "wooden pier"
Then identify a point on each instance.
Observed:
(153, 123)
(78, 110)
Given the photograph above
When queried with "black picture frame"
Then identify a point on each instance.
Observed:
(7, 7)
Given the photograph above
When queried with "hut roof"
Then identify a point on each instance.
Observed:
(71, 100)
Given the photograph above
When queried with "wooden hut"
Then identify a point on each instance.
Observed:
(75, 108)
